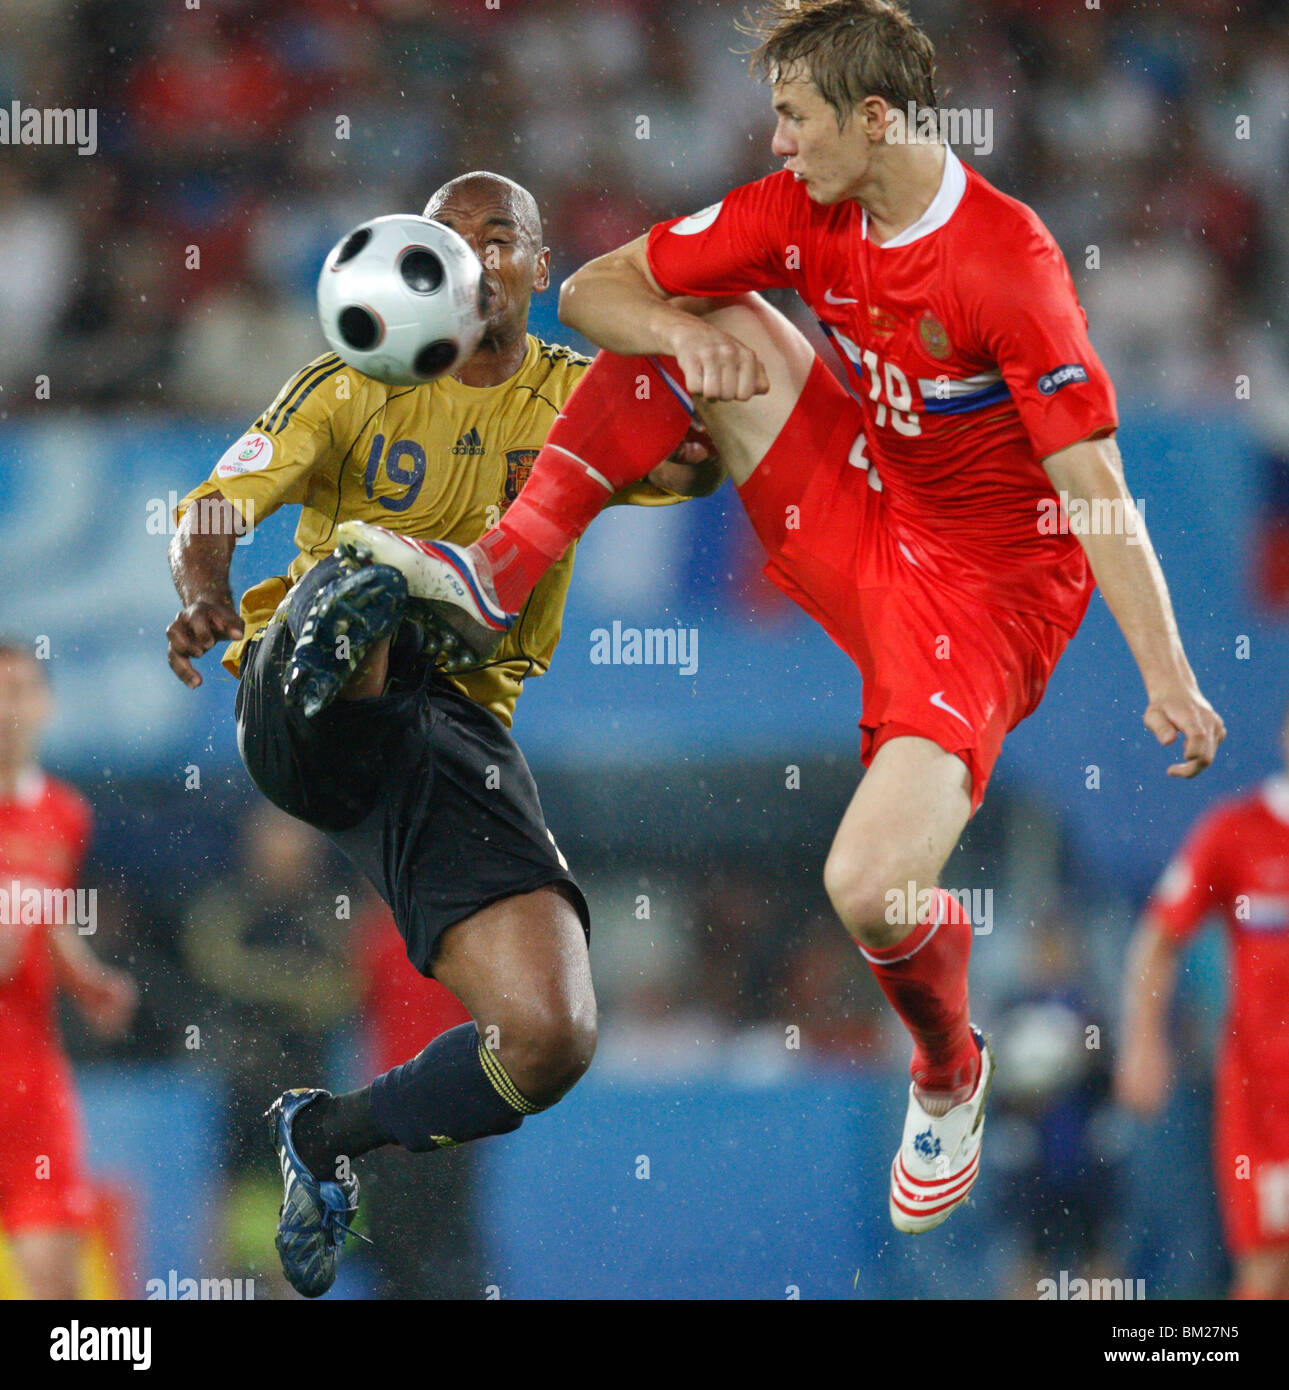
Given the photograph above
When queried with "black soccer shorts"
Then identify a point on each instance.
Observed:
(422, 789)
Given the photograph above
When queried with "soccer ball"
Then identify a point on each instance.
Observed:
(401, 298)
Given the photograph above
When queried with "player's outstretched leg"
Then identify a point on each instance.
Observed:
(626, 416)
(881, 875)
(340, 611)
(522, 969)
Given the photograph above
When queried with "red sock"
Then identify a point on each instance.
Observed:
(621, 421)
(925, 978)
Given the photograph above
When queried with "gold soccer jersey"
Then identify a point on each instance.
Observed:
(439, 462)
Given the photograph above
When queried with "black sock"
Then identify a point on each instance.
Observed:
(455, 1091)
(332, 1127)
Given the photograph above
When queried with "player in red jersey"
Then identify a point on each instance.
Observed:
(44, 827)
(925, 513)
(1234, 862)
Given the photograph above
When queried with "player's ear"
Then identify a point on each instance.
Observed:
(542, 273)
(879, 119)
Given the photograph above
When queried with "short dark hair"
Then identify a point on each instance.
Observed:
(852, 49)
(522, 202)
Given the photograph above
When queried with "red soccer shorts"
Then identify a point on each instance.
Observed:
(934, 664)
(42, 1178)
(1251, 1157)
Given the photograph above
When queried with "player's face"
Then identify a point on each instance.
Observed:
(831, 162)
(24, 707)
(514, 269)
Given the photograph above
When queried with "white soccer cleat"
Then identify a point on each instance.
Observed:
(446, 591)
(939, 1158)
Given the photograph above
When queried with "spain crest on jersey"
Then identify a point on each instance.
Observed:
(519, 464)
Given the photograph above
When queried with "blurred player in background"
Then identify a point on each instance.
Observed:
(421, 1206)
(265, 938)
(45, 1199)
(414, 776)
(905, 513)
(1234, 862)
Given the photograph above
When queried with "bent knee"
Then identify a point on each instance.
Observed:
(861, 895)
(546, 1052)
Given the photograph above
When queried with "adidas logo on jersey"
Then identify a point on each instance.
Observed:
(469, 443)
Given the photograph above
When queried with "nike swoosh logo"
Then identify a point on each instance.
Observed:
(940, 702)
(830, 298)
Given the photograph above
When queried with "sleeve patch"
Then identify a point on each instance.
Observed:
(1051, 382)
(250, 454)
(698, 221)
(1175, 883)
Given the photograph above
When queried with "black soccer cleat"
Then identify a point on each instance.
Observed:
(317, 1213)
(349, 615)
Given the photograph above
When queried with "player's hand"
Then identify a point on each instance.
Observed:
(195, 631)
(1141, 1077)
(716, 366)
(108, 1001)
(1181, 709)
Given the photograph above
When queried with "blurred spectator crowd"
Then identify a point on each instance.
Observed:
(257, 134)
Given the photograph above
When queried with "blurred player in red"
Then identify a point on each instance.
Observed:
(942, 515)
(1235, 862)
(44, 828)
(421, 1205)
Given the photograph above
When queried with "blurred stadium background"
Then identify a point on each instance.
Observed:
(218, 128)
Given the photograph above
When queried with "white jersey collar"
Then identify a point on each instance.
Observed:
(29, 786)
(953, 184)
(1275, 792)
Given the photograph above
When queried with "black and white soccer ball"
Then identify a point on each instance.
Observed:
(402, 299)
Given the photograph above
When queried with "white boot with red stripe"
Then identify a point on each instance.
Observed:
(447, 594)
(939, 1159)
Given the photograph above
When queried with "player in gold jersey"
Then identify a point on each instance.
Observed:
(413, 774)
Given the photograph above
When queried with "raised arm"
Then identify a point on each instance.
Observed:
(1128, 572)
(106, 996)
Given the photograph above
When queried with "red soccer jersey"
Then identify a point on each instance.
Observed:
(404, 1011)
(1236, 862)
(964, 341)
(44, 830)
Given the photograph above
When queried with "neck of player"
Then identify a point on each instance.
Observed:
(900, 184)
(497, 358)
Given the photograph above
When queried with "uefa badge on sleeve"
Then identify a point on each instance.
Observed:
(250, 454)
